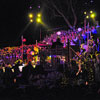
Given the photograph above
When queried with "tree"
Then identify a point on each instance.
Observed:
(64, 9)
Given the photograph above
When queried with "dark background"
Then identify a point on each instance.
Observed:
(14, 19)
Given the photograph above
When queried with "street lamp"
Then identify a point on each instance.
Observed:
(31, 20)
(87, 17)
(39, 15)
(91, 14)
(31, 17)
(39, 20)
(85, 12)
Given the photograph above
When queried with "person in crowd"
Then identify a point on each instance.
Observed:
(8, 76)
(90, 46)
(84, 37)
(97, 68)
(94, 33)
(27, 72)
(57, 43)
(98, 44)
(94, 47)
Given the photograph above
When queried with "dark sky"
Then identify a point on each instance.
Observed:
(13, 20)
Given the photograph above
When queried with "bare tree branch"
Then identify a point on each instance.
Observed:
(53, 11)
(75, 18)
(66, 20)
(59, 11)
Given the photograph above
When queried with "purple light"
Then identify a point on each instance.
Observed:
(30, 7)
(91, 1)
(39, 6)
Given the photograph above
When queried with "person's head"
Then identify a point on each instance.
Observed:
(29, 63)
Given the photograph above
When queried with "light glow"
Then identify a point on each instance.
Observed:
(79, 29)
(30, 15)
(38, 20)
(38, 15)
(85, 12)
(31, 20)
(92, 15)
(91, 11)
(87, 17)
(58, 33)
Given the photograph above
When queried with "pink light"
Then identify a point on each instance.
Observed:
(58, 33)
(39, 6)
(24, 40)
(30, 7)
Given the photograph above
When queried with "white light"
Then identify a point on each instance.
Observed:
(58, 33)
(79, 29)
(21, 68)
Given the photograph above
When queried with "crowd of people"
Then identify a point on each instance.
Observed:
(34, 65)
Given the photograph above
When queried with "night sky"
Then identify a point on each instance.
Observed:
(14, 19)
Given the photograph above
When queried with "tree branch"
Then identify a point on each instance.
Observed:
(66, 20)
(75, 18)
(53, 11)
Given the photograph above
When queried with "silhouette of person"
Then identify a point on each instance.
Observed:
(57, 43)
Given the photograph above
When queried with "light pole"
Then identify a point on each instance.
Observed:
(39, 20)
(92, 15)
(30, 17)
(85, 20)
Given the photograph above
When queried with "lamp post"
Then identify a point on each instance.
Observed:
(38, 20)
(92, 15)
(30, 17)
(22, 46)
(85, 20)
